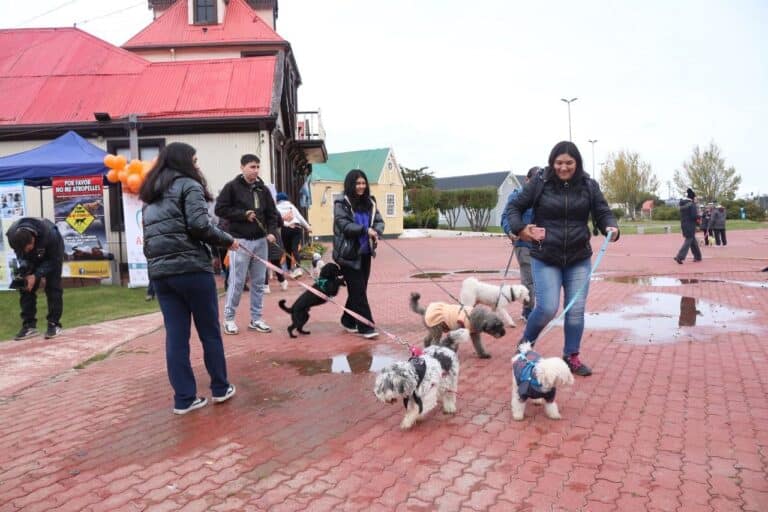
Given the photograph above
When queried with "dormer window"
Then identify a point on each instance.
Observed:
(205, 12)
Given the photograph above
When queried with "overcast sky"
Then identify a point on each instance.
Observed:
(470, 87)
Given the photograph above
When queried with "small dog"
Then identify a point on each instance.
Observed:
(537, 378)
(423, 380)
(317, 264)
(440, 317)
(474, 291)
(328, 282)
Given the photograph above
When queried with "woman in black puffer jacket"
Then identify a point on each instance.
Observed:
(177, 232)
(562, 198)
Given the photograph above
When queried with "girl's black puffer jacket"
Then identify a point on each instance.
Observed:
(563, 209)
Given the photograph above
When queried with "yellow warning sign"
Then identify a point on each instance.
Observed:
(80, 218)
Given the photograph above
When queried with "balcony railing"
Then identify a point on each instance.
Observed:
(309, 126)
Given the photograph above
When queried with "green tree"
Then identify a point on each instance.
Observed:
(707, 175)
(477, 204)
(423, 202)
(625, 179)
(448, 204)
(417, 178)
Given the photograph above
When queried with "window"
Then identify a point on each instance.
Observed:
(336, 196)
(390, 205)
(205, 12)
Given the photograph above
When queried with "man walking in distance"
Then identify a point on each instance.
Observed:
(689, 214)
(39, 250)
(247, 204)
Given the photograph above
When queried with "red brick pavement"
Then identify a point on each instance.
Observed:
(669, 420)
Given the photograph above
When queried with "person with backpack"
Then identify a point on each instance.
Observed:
(562, 198)
(522, 248)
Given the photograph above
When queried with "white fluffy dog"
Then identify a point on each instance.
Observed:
(317, 265)
(537, 378)
(423, 380)
(474, 291)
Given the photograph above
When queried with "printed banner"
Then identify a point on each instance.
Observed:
(78, 204)
(12, 207)
(134, 241)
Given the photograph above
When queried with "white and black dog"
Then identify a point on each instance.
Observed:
(328, 282)
(317, 264)
(440, 317)
(497, 297)
(535, 377)
(423, 380)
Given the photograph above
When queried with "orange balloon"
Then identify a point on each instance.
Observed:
(109, 161)
(146, 167)
(122, 176)
(133, 182)
(135, 166)
(119, 162)
(112, 176)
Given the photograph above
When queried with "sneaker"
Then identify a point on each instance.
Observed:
(284, 285)
(576, 366)
(26, 333)
(369, 335)
(297, 273)
(350, 330)
(197, 404)
(230, 327)
(259, 325)
(52, 331)
(226, 396)
(678, 260)
(149, 298)
(266, 289)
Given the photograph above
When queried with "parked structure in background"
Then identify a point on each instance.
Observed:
(384, 178)
(504, 182)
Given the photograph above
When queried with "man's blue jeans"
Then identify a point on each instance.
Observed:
(549, 279)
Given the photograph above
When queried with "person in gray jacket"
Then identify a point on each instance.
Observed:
(688, 215)
(718, 225)
(357, 226)
(177, 235)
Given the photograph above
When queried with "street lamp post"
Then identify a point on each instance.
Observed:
(592, 141)
(569, 114)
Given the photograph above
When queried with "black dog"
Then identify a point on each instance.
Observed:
(328, 282)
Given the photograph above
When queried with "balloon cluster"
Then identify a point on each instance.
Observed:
(130, 174)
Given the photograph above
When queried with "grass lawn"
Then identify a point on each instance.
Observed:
(88, 305)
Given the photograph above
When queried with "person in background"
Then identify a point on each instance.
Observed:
(293, 225)
(247, 204)
(39, 250)
(562, 198)
(276, 258)
(522, 248)
(150, 292)
(357, 226)
(689, 214)
(177, 233)
(718, 225)
(706, 216)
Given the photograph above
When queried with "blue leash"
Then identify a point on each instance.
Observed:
(599, 258)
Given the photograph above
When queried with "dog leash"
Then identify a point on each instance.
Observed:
(600, 255)
(325, 297)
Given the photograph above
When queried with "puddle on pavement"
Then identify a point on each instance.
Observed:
(432, 275)
(354, 362)
(665, 318)
(675, 281)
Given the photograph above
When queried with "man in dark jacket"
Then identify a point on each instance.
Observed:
(689, 214)
(247, 204)
(40, 253)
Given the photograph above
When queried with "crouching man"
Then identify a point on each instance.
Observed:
(39, 250)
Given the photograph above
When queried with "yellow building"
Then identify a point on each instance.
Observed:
(384, 178)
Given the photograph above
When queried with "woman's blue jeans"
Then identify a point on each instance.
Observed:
(548, 280)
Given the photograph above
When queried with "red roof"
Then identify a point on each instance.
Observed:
(64, 75)
(172, 29)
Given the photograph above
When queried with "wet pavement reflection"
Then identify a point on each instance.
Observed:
(362, 361)
(675, 281)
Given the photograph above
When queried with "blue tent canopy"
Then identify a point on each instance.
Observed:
(68, 155)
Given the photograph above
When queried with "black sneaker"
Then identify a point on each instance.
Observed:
(678, 260)
(26, 333)
(53, 331)
(576, 366)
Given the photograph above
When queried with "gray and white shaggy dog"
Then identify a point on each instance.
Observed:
(536, 378)
(440, 317)
(424, 380)
(497, 297)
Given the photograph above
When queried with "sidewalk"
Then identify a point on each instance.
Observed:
(675, 416)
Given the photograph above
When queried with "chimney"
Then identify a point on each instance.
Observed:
(160, 6)
(266, 10)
